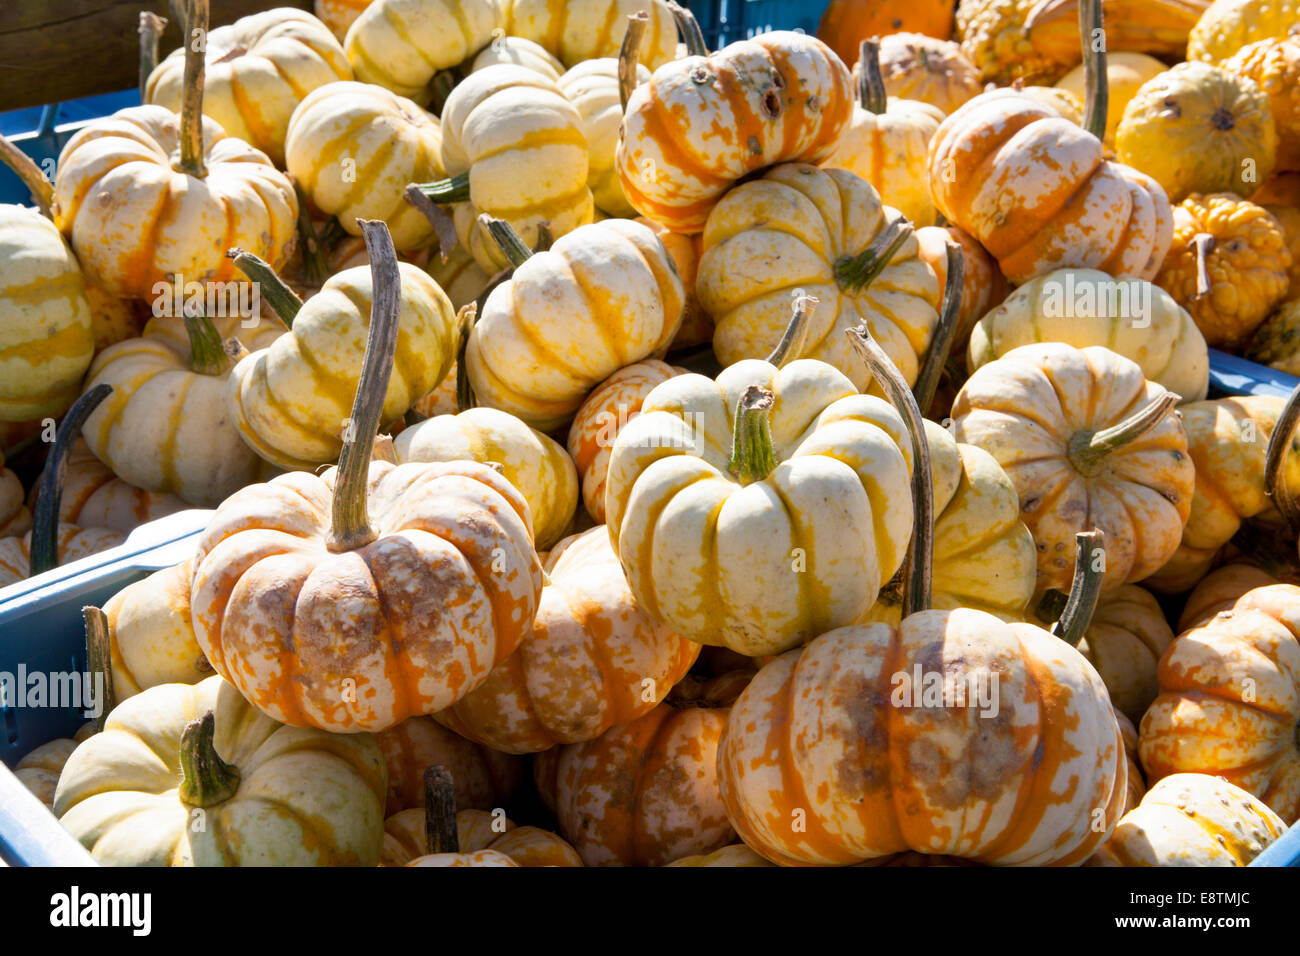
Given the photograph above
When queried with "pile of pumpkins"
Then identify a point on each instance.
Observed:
(792, 454)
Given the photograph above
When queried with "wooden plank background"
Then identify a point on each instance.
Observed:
(54, 50)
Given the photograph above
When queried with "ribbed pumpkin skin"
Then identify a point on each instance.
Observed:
(94, 497)
(1037, 192)
(1024, 408)
(846, 23)
(1248, 266)
(151, 633)
(603, 297)
(1125, 74)
(592, 88)
(984, 555)
(613, 403)
(166, 427)
(684, 250)
(520, 52)
(134, 221)
(305, 798)
(815, 731)
(1274, 65)
(1230, 700)
(766, 566)
(702, 123)
(917, 67)
(401, 44)
(1136, 785)
(1229, 25)
(338, 15)
(595, 659)
(290, 398)
(892, 151)
(1219, 591)
(45, 318)
(577, 30)
(354, 148)
(483, 778)
(73, 544)
(646, 793)
(258, 70)
(39, 769)
(1191, 819)
(785, 234)
(983, 285)
(414, 620)
(1083, 307)
(477, 830)
(525, 147)
(532, 462)
(1199, 129)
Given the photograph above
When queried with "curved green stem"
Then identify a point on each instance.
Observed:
(936, 358)
(99, 659)
(854, 273)
(452, 190)
(26, 170)
(507, 240)
(689, 30)
(207, 355)
(195, 35)
(150, 30)
(315, 268)
(284, 301)
(206, 779)
(752, 456)
(440, 830)
(872, 95)
(629, 55)
(796, 332)
(1281, 442)
(49, 499)
(464, 389)
(1087, 450)
(350, 521)
(1085, 589)
(919, 563)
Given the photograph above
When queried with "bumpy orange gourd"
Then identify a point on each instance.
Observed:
(1274, 64)
(1229, 25)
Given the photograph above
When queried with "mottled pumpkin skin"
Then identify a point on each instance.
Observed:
(520, 52)
(362, 640)
(1230, 700)
(846, 23)
(535, 464)
(1229, 25)
(305, 798)
(1198, 128)
(1083, 307)
(1024, 408)
(818, 767)
(401, 44)
(595, 659)
(477, 830)
(1274, 65)
(984, 556)
(702, 123)
(1125, 74)
(1191, 819)
(577, 30)
(684, 250)
(765, 566)
(603, 297)
(258, 69)
(151, 633)
(1219, 591)
(73, 544)
(291, 398)
(354, 148)
(135, 221)
(592, 87)
(1136, 784)
(39, 769)
(46, 338)
(166, 428)
(338, 15)
(483, 778)
(1037, 191)
(525, 147)
(788, 234)
(1277, 341)
(918, 67)
(645, 793)
(94, 497)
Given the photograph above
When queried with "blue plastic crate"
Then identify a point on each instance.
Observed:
(725, 21)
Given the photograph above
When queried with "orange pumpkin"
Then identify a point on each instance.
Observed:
(917, 67)
(846, 23)
(484, 778)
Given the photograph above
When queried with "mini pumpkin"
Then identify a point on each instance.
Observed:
(846, 23)
(593, 88)
(697, 325)
(483, 778)
(338, 15)
(919, 67)
(1125, 74)
(406, 839)
(1219, 591)
(151, 633)
(579, 30)
(94, 497)
(520, 52)
(983, 285)
(1274, 64)
(38, 770)
(72, 544)
(14, 516)
(1229, 25)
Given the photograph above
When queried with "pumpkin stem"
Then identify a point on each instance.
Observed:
(284, 301)
(629, 55)
(31, 175)
(1085, 589)
(207, 353)
(196, 44)
(796, 332)
(350, 522)
(545, 238)
(150, 30)
(315, 270)
(854, 273)
(872, 95)
(1087, 450)
(1280, 443)
(936, 359)
(919, 563)
(44, 548)
(452, 190)
(1203, 244)
(464, 390)
(752, 456)
(99, 659)
(440, 830)
(443, 226)
(507, 240)
(440, 87)
(689, 29)
(1092, 33)
(206, 779)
